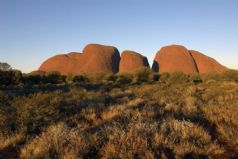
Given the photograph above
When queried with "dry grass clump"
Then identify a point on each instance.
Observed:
(132, 140)
(11, 140)
(225, 117)
(58, 141)
(36, 111)
(117, 110)
(129, 144)
(10, 145)
(184, 137)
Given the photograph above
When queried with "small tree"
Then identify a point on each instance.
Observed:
(5, 66)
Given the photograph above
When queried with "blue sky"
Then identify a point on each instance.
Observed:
(33, 30)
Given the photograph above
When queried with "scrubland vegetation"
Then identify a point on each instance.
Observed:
(139, 115)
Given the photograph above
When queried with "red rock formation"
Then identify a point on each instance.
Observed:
(131, 61)
(95, 58)
(206, 64)
(58, 63)
(75, 64)
(174, 58)
(100, 58)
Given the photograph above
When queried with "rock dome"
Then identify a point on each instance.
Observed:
(131, 61)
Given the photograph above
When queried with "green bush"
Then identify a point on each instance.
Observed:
(53, 78)
(32, 79)
(36, 111)
(7, 115)
(9, 78)
(96, 77)
(101, 78)
(124, 78)
(174, 77)
(110, 78)
(143, 75)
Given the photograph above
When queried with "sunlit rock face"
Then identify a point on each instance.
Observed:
(207, 64)
(174, 58)
(100, 58)
(95, 58)
(132, 61)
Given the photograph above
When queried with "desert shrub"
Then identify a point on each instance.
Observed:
(178, 77)
(102, 78)
(69, 78)
(5, 66)
(12, 77)
(110, 78)
(211, 77)
(7, 119)
(195, 78)
(179, 102)
(184, 137)
(128, 141)
(53, 78)
(72, 102)
(231, 75)
(127, 145)
(36, 111)
(189, 106)
(9, 144)
(124, 78)
(143, 75)
(164, 77)
(225, 118)
(80, 79)
(58, 141)
(96, 77)
(7, 115)
(172, 118)
(219, 92)
(32, 79)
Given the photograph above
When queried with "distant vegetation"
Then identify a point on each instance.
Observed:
(5, 66)
(137, 115)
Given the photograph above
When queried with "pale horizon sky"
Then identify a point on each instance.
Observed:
(32, 31)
